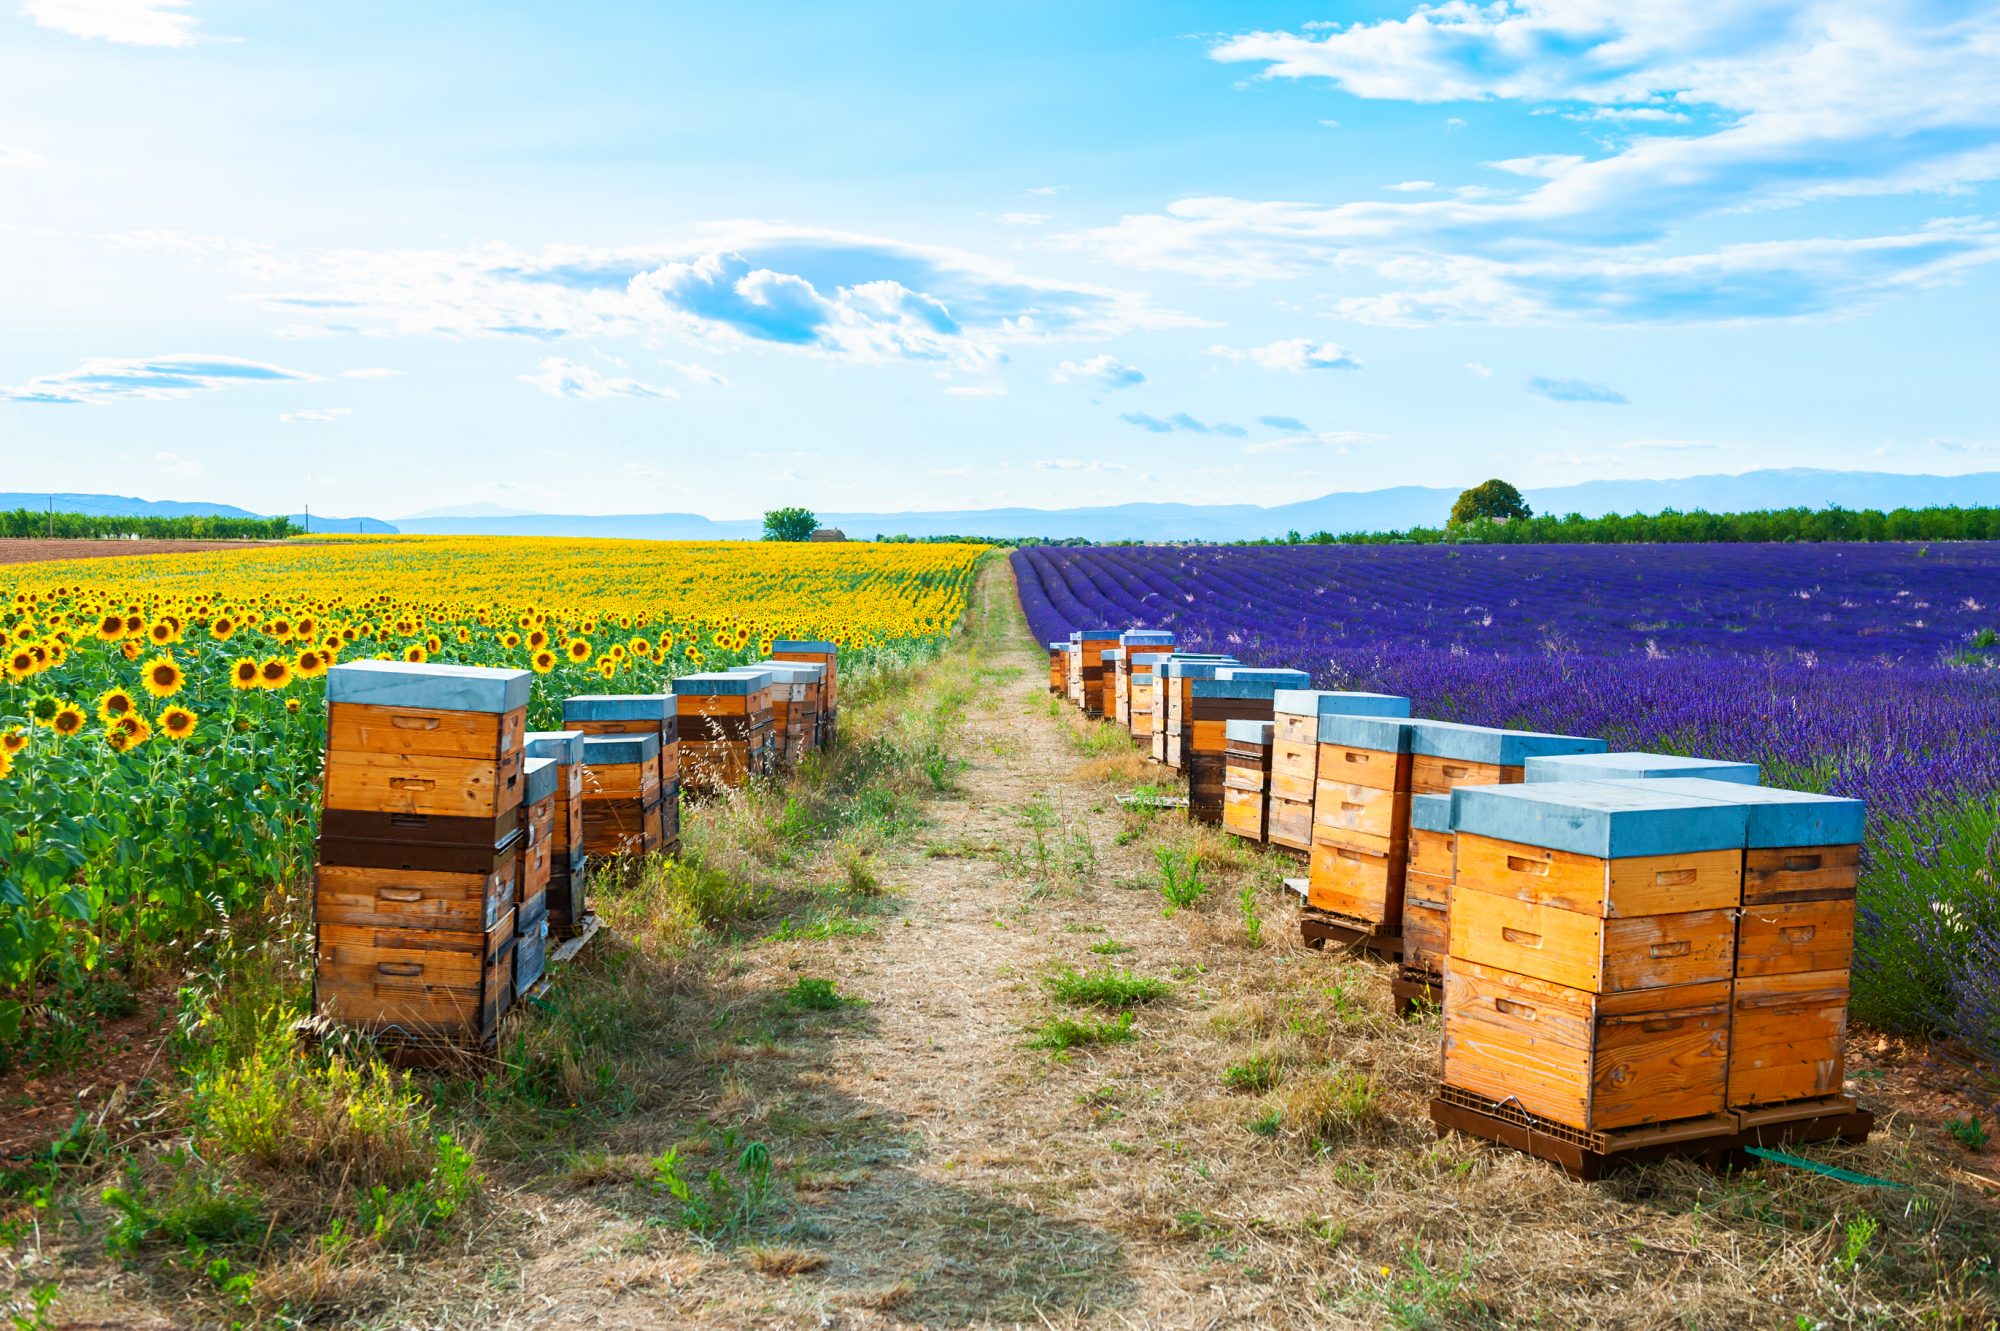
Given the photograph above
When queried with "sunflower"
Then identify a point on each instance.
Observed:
(579, 650)
(111, 628)
(292, 706)
(537, 640)
(177, 722)
(124, 737)
(162, 634)
(135, 623)
(43, 710)
(510, 640)
(129, 650)
(223, 629)
(6, 763)
(544, 661)
(310, 664)
(464, 633)
(275, 673)
(608, 669)
(244, 674)
(281, 629)
(163, 678)
(14, 740)
(20, 663)
(114, 703)
(415, 654)
(68, 720)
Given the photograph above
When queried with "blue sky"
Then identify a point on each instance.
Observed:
(631, 258)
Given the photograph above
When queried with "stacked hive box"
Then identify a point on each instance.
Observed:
(1131, 643)
(1296, 714)
(621, 795)
(1058, 667)
(540, 781)
(567, 874)
(814, 651)
(1246, 778)
(655, 714)
(797, 715)
(1628, 766)
(725, 729)
(1794, 946)
(1237, 693)
(1361, 809)
(1593, 939)
(1171, 679)
(420, 851)
(1113, 664)
(1090, 645)
(1141, 686)
(1429, 870)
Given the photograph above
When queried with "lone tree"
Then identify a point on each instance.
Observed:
(1489, 501)
(790, 524)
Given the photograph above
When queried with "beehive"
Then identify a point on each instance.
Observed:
(1112, 663)
(1091, 644)
(1794, 942)
(1592, 947)
(1141, 690)
(815, 651)
(799, 720)
(1445, 754)
(631, 714)
(420, 851)
(567, 874)
(1172, 678)
(1058, 667)
(1361, 802)
(1633, 767)
(1247, 755)
(540, 780)
(621, 795)
(725, 729)
(1131, 643)
(1236, 693)
(1427, 886)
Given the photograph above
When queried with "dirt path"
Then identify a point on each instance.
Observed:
(35, 550)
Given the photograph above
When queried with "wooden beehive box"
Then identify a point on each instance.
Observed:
(1172, 680)
(1445, 754)
(1091, 644)
(1794, 942)
(1361, 798)
(631, 714)
(1131, 644)
(540, 780)
(1058, 667)
(1246, 778)
(425, 983)
(1629, 766)
(621, 795)
(1427, 878)
(800, 721)
(1595, 1062)
(815, 651)
(567, 858)
(1236, 693)
(1140, 673)
(1116, 700)
(725, 729)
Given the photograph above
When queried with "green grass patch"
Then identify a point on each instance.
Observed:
(1065, 1033)
(1109, 988)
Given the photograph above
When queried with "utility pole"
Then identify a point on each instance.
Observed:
(52, 517)
(309, 519)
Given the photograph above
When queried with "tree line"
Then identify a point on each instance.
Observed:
(27, 522)
(1940, 523)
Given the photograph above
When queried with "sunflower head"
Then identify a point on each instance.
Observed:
(311, 664)
(415, 654)
(6, 763)
(163, 677)
(129, 650)
(68, 720)
(245, 674)
(579, 650)
(510, 640)
(275, 673)
(177, 722)
(111, 628)
(223, 629)
(161, 634)
(538, 640)
(544, 661)
(44, 709)
(292, 706)
(20, 663)
(14, 740)
(113, 704)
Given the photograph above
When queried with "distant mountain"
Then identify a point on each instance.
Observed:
(1342, 511)
(1349, 511)
(124, 506)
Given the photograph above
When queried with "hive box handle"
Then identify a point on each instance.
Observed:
(1661, 1024)
(399, 894)
(1354, 757)
(404, 968)
(1673, 877)
(1801, 863)
(1660, 951)
(1520, 937)
(1799, 934)
(1347, 806)
(412, 783)
(414, 722)
(1522, 864)
(1451, 770)
(1525, 1011)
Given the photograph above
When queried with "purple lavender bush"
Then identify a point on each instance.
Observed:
(1864, 670)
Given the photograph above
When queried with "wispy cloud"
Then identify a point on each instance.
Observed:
(1336, 441)
(1182, 423)
(565, 378)
(1670, 445)
(1291, 423)
(1573, 390)
(1412, 186)
(12, 156)
(173, 464)
(698, 374)
(316, 415)
(128, 22)
(1103, 371)
(1077, 464)
(1293, 355)
(1482, 370)
(177, 376)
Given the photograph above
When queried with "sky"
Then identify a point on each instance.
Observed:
(624, 258)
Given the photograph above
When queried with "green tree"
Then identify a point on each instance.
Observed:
(790, 524)
(1490, 501)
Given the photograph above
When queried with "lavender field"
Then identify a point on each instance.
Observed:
(1866, 670)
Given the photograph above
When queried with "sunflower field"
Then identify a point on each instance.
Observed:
(162, 717)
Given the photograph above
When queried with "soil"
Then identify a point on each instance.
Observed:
(123, 1058)
(33, 550)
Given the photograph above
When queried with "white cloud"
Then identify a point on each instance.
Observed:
(1075, 464)
(1047, 189)
(1335, 441)
(699, 374)
(12, 156)
(128, 22)
(1670, 445)
(1104, 371)
(173, 464)
(1483, 371)
(106, 379)
(371, 372)
(1293, 355)
(1412, 186)
(565, 378)
(1025, 219)
(317, 415)
(1574, 390)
